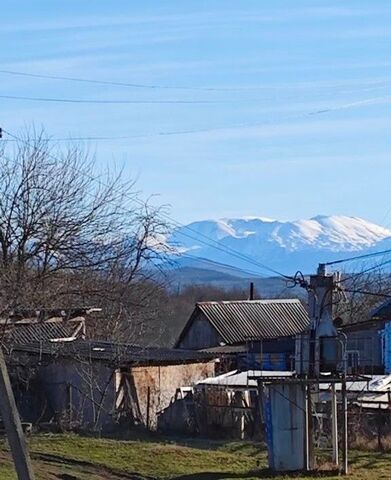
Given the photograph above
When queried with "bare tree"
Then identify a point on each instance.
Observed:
(69, 236)
(364, 290)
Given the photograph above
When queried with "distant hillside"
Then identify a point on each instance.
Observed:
(201, 272)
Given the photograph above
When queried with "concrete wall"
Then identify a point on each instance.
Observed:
(70, 392)
(82, 395)
(163, 382)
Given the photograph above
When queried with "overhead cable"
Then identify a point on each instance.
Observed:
(359, 257)
(209, 241)
(182, 87)
(105, 102)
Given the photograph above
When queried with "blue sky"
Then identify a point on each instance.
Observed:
(297, 99)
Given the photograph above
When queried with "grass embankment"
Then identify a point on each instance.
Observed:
(71, 457)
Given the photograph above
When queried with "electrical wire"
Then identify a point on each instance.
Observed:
(295, 116)
(209, 241)
(366, 292)
(106, 102)
(229, 249)
(367, 270)
(183, 87)
(225, 265)
(359, 257)
(125, 84)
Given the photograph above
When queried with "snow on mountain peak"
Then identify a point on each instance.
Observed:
(336, 232)
(280, 244)
(349, 232)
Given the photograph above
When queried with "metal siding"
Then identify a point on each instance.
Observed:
(387, 348)
(240, 321)
(286, 424)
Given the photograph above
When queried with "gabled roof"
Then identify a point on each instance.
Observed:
(27, 326)
(243, 320)
(45, 331)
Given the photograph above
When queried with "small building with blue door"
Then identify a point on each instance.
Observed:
(259, 334)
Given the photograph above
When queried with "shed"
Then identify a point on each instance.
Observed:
(261, 331)
(98, 385)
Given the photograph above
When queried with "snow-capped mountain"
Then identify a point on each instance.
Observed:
(246, 242)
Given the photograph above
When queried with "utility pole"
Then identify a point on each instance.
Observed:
(12, 423)
(319, 350)
(13, 426)
(320, 299)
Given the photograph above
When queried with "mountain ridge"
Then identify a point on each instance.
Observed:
(286, 246)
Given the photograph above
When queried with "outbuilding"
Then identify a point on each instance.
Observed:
(261, 333)
(96, 385)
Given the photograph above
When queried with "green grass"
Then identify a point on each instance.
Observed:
(82, 458)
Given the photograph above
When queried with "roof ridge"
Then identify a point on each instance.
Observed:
(262, 300)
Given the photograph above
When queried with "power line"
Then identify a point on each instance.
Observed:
(178, 87)
(217, 246)
(226, 249)
(359, 257)
(105, 102)
(209, 241)
(364, 292)
(367, 270)
(221, 128)
(225, 265)
(175, 101)
(109, 82)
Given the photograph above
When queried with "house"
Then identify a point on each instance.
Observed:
(95, 385)
(368, 343)
(260, 333)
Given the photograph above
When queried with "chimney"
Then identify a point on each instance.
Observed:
(252, 291)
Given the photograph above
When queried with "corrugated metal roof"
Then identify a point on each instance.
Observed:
(113, 353)
(240, 321)
(44, 331)
(246, 379)
(226, 349)
(47, 315)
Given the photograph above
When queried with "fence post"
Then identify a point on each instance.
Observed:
(379, 428)
(148, 406)
(345, 426)
(334, 423)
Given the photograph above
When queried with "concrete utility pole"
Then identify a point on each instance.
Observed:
(13, 425)
(322, 350)
(320, 299)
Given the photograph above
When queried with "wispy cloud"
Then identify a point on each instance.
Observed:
(195, 17)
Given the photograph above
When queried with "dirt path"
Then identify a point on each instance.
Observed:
(60, 467)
